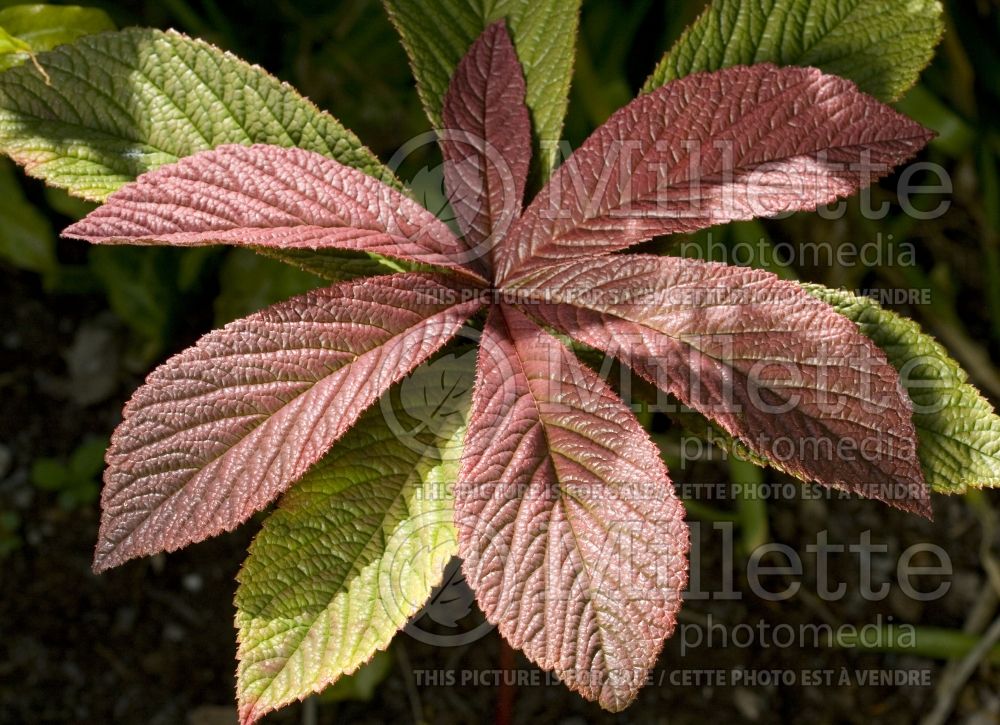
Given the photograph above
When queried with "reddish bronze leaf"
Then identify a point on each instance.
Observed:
(269, 196)
(571, 534)
(486, 141)
(783, 372)
(738, 143)
(218, 431)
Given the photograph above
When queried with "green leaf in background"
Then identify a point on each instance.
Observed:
(146, 289)
(603, 50)
(87, 460)
(881, 46)
(76, 482)
(27, 29)
(10, 539)
(340, 266)
(69, 206)
(13, 50)
(437, 35)
(363, 683)
(119, 104)
(354, 548)
(138, 284)
(26, 238)
(958, 432)
(249, 282)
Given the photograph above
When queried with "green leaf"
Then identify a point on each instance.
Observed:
(957, 430)
(13, 50)
(87, 459)
(249, 282)
(27, 29)
(120, 104)
(342, 265)
(10, 541)
(140, 287)
(26, 239)
(363, 683)
(69, 206)
(49, 474)
(356, 546)
(436, 36)
(881, 46)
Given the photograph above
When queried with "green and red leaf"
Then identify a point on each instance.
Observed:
(571, 534)
(355, 548)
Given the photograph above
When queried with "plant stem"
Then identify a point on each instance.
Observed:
(708, 513)
(751, 508)
(933, 642)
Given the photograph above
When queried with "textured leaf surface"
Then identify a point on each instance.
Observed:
(793, 380)
(881, 46)
(34, 28)
(117, 105)
(711, 148)
(958, 432)
(572, 537)
(356, 547)
(222, 428)
(486, 141)
(270, 196)
(436, 37)
(172, 97)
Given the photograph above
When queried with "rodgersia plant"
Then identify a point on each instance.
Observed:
(541, 479)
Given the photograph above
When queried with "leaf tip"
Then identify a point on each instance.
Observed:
(922, 507)
(77, 230)
(497, 27)
(102, 561)
(249, 713)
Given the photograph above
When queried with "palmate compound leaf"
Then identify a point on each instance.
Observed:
(710, 148)
(116, 105)
(218, 431)
(571, 535)
(783, 372)
(486, 141)
(355, 548)
(272, 197)
(958, 431)
(586, 581)
(437, 36)
(881, 46)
